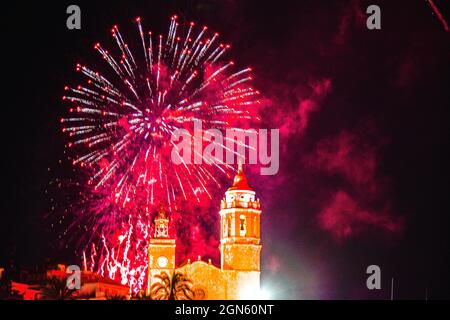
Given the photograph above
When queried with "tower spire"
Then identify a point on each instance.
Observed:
(240, 180)
(161, 212)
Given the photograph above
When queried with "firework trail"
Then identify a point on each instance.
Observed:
(439, 15)
(120, 127)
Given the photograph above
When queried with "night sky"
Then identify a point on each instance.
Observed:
(363, 116)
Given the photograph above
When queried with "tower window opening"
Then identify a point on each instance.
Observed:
(161, 231)
(229, 227)
(242, 225)
(225, 228)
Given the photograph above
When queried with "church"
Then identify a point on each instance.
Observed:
(238, 276)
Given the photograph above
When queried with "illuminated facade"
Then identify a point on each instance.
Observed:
(238, 276)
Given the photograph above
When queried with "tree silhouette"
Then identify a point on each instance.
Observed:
(55, 288)
(6, 291)
(179, 287)
(116, 296)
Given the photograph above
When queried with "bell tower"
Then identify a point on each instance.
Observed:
(161, 250)
(240, 239)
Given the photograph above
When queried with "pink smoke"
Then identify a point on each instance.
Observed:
(358, 201)
(295, 121)
(344, 217)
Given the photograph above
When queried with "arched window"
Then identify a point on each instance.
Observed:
(242, 225)
(228, 227)
(224, 228)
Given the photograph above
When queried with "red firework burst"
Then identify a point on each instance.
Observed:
(120, 127)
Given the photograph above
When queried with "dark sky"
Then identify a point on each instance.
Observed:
(363, 116)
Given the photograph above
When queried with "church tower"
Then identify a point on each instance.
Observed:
(161, 250)
(240, 239)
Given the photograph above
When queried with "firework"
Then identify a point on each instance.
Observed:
(120, 126)
(439, 15)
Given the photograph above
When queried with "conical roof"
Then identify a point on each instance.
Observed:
(240, 181)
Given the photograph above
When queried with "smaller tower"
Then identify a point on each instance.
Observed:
(161, 250)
